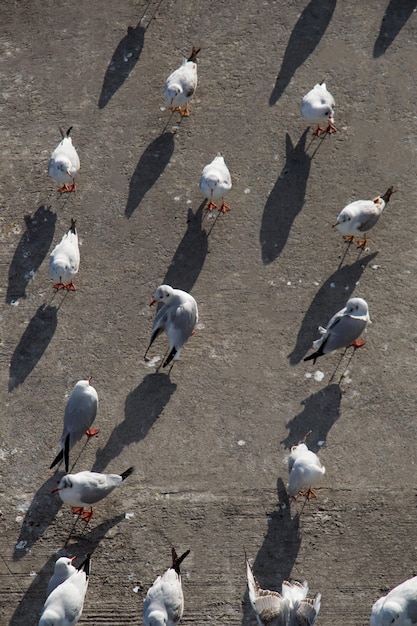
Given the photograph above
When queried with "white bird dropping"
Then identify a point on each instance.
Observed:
(215, 183)
(398, 607)
(317, 107)
(64, 163)
(64, 606)
(287, 608)
(177, 317)
(164, 602)
(343, 329)
(80, 413)
(357, 218)
(180, 86)
(84, 489)
(64, 261)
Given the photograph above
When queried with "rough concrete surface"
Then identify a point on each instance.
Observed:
(209, 440)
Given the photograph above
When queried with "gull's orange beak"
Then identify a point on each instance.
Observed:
(55, 490)
(73, 559)
(152, 302)
(335, 224)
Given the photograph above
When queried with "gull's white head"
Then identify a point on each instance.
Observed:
(357, 308)
(64, 166)
(157, 618)
(390, 614)
(163, 294)
(63, 564)
(173, 92)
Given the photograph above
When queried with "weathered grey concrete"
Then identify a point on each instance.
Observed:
(209, 440)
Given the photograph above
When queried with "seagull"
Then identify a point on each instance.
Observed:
(64, 261)
(317, 107)
(180, 86)
(63, 569)
(215, 182)
(343, 329)
(177, 317)
(304, 470)
(398, 607)
(80, 413)
(86, 488)
(291, 607)
(164, 602)
(64, 163)
(358, 217)
(64, 606)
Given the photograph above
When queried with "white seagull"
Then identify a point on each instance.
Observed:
(357, 218)
(84, 489)
(180, 86)
(304, 471)
(63, 569)
(64, 261)
(215, 182)
(398, 607)
(291, 607)
(80, 413)
(177, 317)
(164, 602)
(317, 107)
(64, 163)
(343, 329)
(64, 606)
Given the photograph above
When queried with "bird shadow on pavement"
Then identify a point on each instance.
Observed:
(278, 552)
(320, 411)
(189, 257)
(149, 168)
(330, 298)
(395, 16)
(32, 344)
(31, 251)
(285, 200)
(34, 597)
(143, 406)
(122, 62)
(41, 512)
(305, 36)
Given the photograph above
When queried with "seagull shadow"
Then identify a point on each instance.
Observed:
(35, 596)
(320, 411)
(32, 344)
(327, 301)
(285, 200)
(143, 406)
(306, 35)
(276, 556)
(189, 257)
(149, 168)
(122, 62)
(31, 251)
(395, 16)
(38, 517)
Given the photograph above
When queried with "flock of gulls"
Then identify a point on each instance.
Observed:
(177, 317)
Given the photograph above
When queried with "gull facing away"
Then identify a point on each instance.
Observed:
(164, 602)
(63, 569)
(64, 261)
(343, 329)
(317, 107)
(357, 218)
(291, 607)
(398, 607)
(80, 413)
(304, 471)
(215, 183)
(177, 317)
(180, 86)
(64, 163)
(64, 605)
(84, 489)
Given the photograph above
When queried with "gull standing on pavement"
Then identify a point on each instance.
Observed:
(215, 183)
(317, 107)
(64, 163)
(64, 261)
(180, 86)
(80, 413)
